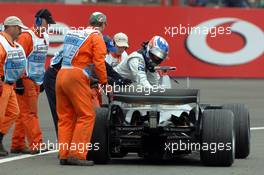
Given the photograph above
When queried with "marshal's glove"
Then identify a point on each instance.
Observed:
(19, 87)
(94, 83)
(41, 88)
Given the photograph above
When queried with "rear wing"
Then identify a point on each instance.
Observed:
(161, 96)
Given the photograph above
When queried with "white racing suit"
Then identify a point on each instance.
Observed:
(111, 60)
(134, 68)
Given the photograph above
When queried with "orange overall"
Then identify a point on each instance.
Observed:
(9, 109)
(75, 107)
(27, 123)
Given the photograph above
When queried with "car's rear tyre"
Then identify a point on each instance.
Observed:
(100, 138)
(218, 138)
(242, 129)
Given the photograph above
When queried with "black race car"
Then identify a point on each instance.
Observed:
(169, 124)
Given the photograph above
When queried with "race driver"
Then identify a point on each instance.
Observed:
(140, 65)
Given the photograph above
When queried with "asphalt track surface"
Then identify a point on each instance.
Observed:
(250, 92)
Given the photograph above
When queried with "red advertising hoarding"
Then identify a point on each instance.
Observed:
(204, 42)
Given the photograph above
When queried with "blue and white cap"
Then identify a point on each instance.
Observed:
(109, 44)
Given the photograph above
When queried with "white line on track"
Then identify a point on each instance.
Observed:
(10, 159)
(257, 128)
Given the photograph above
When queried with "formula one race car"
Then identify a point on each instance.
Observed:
(169, 123)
